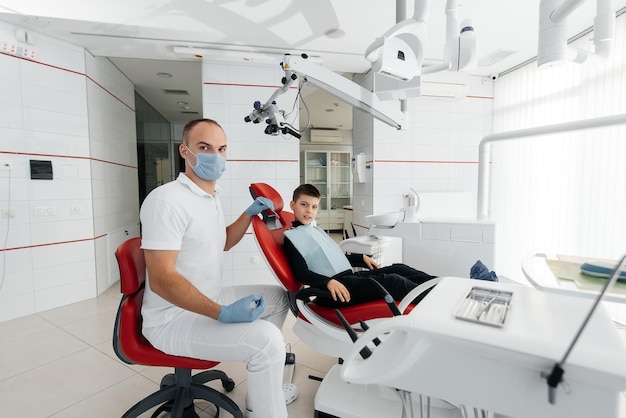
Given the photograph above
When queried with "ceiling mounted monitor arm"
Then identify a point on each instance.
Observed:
(399, 53)
(329, 81)
(460, 48)
(346, 90)
(553, 47)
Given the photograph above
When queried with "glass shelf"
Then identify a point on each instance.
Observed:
(331, 173)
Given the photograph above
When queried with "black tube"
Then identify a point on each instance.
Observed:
(388, 298)
(365, 351)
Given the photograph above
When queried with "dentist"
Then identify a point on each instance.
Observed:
(186, 310)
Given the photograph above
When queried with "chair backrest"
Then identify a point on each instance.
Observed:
(132, 265)
(270, 236)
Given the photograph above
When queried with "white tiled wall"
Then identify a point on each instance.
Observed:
(437, 152)
(229, 91)
(76, 111)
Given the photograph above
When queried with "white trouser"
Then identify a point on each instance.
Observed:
(259, 344)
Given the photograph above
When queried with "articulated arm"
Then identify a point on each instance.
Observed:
(329, 81)
(397, 54)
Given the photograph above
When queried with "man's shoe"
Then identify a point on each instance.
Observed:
(291, 393)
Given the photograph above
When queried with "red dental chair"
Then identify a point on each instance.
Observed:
(320, 328)
(178, 389)
(317, 326)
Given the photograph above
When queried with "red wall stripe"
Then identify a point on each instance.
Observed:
(77, 157)
(73, 72)
(53, 243)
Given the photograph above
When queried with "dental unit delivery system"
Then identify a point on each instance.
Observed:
(498, 369)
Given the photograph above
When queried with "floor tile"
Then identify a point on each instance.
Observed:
(113, 401)
(57, 385)
(61, 364)
(80, 310)
(310, 358)
(35, 350)
(94, 329)
(22, 327)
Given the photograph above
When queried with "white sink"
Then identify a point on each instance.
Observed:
(385, 220)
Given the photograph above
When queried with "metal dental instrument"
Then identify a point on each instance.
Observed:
(485, 307)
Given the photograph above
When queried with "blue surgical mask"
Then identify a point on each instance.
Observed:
(209, 165)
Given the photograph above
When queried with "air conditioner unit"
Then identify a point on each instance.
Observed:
(454, 85)
(445, 84)
(325, 136)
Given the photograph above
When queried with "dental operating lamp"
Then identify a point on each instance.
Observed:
(399, 53)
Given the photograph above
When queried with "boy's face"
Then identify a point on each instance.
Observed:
(305, 208)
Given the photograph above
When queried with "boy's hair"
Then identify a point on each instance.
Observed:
(306, 189)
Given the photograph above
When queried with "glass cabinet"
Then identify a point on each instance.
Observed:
(330, 172)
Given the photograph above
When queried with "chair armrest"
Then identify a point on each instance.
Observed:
(306, 293)
(406, 301)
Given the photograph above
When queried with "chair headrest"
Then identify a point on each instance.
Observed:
(267, 191)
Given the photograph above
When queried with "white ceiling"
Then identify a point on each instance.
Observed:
(139, 36)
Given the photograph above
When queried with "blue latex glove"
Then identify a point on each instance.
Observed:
(243, 310)
(259, 205)
(481, 272)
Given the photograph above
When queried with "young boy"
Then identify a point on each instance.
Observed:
(318, 261)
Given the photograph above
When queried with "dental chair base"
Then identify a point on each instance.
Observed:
(337, 398)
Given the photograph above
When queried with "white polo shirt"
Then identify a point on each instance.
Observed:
(179, 215)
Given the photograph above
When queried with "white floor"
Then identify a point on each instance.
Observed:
(60, 363)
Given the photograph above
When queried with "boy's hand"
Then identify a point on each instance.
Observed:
(338, 291)
(369, 262)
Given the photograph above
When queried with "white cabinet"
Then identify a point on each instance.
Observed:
(330, 172)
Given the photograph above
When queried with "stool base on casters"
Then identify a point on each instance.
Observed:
(178, 391)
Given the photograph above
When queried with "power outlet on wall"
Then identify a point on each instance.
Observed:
(31, 54)
(10, 48)
(13, 49)
(7, 213)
